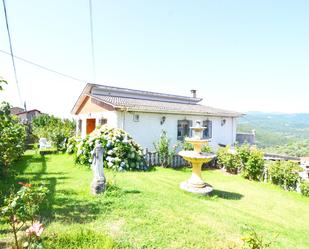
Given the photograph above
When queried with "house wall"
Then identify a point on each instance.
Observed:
(111, 117)
(89, 107)
(148, 129)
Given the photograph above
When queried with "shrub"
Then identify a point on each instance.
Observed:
(253, 240)
(243, 153)
(162, 148)
(72, 144)
(121, 151)
(304, 188)
(228, 160)
(252, 163)
(284, 173)
(22, 207)
(12, 142)
(187, 146)
(56, 130)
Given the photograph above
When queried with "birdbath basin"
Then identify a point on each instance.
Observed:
(195, 184)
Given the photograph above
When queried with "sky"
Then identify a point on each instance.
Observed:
(239, 55)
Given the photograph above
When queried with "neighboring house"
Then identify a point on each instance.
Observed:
(304, 163)
(16, 110)
(145, 114)
(25, 116)
(245, 137)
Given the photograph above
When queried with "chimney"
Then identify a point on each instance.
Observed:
(193, 91)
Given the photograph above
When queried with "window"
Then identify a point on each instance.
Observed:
(80, 123)
(103, 121)
(135, 117)
(208, 131)
(183, 129)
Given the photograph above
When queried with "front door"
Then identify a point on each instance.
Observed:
(90, 125)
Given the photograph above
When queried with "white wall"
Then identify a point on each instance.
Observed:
(111, 117)
(148, 129)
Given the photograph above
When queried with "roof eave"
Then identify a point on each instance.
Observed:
(86, 91)
(128, 109)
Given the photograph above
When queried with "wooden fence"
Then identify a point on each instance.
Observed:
(175, 161)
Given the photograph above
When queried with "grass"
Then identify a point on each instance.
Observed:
(148, 210)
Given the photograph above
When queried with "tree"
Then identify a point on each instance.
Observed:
(12, 137)
(54, 129)
(2, 82)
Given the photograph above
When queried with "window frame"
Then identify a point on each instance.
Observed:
(185, 132)
(207, 133)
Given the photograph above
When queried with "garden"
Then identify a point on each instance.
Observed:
(146, 209)
(46, 202)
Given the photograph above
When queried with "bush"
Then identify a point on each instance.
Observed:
(187, 146)
(253, 240)
(304, 188)
(12, 142)
(56, 130)
(162, 148)
(284, 174)
(121, 151)
(230, 161)
(249, 161)
(72, 144)
(252, 163)
(23, 207)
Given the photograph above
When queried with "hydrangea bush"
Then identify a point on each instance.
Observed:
(121, 151)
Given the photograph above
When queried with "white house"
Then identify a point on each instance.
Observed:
(145, 114)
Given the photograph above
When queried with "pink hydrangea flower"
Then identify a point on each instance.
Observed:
(37, 229)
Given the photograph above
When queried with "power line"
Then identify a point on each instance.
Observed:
(11, 50)
(43, 67)
(92, 40)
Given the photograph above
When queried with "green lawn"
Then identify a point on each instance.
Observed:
(148, 210)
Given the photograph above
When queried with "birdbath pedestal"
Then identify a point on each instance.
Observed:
(195, 184)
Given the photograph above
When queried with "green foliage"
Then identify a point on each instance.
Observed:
(284, 173)
(54, 129)
(12, 142)
(23, 206)
(2, 82)
(230, 161)
(152, 198)
(253, 240)
(121, 151)
(253, 163)
(78, 239)
(297, 148)
(286, 134)
(250, 161)
(187, 146)
(72, 144)
(304, 188)
(162, 147)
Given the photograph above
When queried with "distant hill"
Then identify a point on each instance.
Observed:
(278, 132)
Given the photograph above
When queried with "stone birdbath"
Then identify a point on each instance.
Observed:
(195, 184)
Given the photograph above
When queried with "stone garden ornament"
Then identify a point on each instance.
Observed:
(98, 182)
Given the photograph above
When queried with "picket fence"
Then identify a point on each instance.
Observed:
(175, 161)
